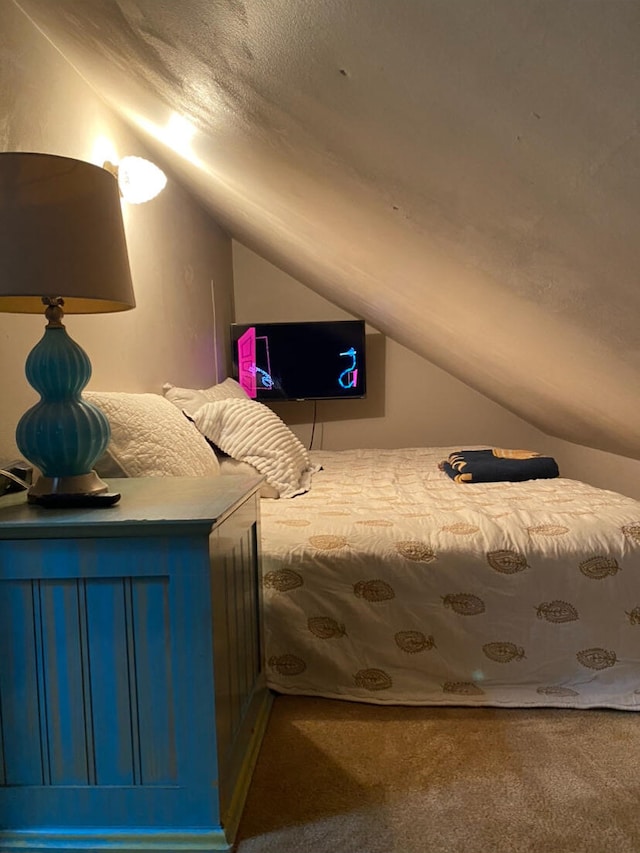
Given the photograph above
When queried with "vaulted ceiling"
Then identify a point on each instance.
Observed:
(464, 174)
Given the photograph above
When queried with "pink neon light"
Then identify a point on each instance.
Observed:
(247, 361)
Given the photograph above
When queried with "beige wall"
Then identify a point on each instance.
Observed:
(410, 402)
(176, 249)
(606, 470)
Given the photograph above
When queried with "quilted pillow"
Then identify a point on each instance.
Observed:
(151, 438)
(250, 432)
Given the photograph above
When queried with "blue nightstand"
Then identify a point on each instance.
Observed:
(132, 693)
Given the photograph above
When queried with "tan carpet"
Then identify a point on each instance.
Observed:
(339, 777)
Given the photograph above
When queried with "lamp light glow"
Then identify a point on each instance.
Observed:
(139, 180)
(63, 248)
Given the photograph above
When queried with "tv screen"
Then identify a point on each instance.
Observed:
(300, 361)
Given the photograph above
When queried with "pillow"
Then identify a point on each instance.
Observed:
(151, 438)
(190, 400)
(187, 399)
(229, 465)
(229, 389)
(250, 432)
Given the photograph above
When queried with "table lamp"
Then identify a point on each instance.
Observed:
(62, 251)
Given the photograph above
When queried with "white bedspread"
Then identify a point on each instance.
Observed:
(390, 583)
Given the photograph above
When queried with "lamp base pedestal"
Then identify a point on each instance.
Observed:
(84, 490)
(78, 500)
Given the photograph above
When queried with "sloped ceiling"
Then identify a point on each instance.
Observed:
(464, 174)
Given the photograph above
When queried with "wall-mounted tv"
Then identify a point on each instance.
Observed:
(300, 361)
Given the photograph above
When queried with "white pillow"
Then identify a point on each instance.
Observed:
(187, 399)
(190, 399)
(250, 432)
(229, 389)
(150, 437)
(229, 465)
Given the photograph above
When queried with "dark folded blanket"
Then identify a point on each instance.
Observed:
(498, 465)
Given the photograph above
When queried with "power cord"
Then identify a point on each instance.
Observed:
(14, 479)
(313, 425)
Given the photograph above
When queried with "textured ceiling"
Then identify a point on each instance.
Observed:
(465, 174)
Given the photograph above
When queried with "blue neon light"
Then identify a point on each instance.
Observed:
(349, 377)
(262, 376)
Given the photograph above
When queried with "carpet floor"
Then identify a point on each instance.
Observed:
(340, 777)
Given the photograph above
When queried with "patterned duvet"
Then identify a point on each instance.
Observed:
(389, 583)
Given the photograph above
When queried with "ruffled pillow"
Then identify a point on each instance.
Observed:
(250, 432)
(229, 465)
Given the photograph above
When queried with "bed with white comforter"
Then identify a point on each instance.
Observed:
(387, 582)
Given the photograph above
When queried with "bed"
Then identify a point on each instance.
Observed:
(388, 582)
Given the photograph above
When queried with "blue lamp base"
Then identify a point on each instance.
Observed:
(63, 435)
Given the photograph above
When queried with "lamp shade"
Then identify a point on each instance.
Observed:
(61, 235)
